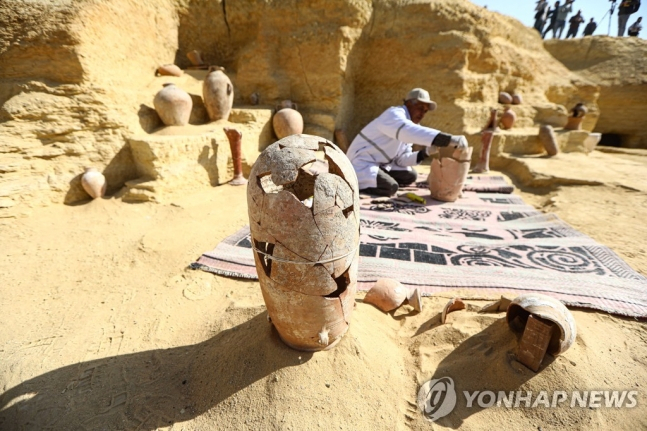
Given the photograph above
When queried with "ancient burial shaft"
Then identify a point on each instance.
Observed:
(305, 234)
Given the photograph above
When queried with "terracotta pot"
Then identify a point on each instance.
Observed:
(548, 308)
(548, 139)
(574, 123)
(94, 183)
(235, 144)
(287, 122)
(195, 58)
(505, 98)
(517, 99)
(508, 118)
(448, 174)
(169, 70)
(387, 294)
(305, 233)
(173, 105)
(218, 94)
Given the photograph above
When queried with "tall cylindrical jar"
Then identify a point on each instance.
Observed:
(173, 105)
(305, 236)
(218, 94)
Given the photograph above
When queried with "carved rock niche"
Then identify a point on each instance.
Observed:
(305, 233)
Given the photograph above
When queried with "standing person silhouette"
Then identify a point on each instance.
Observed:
(541, 15)
(627, 7)
(552, 14)
(574, 24)
(590, 28)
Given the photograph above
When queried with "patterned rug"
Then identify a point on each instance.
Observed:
(485, 243)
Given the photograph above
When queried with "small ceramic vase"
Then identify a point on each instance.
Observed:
(173, 105)
(508, 118)
(517, 99)
(94, 183)
(505, 98)
(287, 122)
(218, 94)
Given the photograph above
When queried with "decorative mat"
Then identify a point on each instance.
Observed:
(486, 243)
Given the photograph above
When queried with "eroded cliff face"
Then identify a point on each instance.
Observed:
(77, 77)
(619, 67)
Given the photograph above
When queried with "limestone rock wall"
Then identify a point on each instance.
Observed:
(77, 76)
(619, 67)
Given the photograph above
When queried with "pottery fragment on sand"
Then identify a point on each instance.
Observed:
(388, 294)
(94, 183)
(287, 120)
(448, 174)
(305, 234)
(218, 94)
(173, 105)
(169, 70)
(454, 304)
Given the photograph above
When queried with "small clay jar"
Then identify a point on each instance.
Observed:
(517, 99)
(508, 118)
(218, 94)
(505, 98)
(448, 174)
(287, 122)
(94, 183)
(173, 105)
(548, 139)
(195, 58)
(169, 70)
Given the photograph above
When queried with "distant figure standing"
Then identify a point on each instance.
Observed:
(627, 7)
(574, 24)
(635, 28)
(541, 15)
(562, 14)
(552, 14)
(590, 28)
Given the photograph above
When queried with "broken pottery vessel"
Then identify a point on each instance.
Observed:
(94, 183)
(305, 234)
(173, 105)
(169, 70)
(287, 120)
(218, 94)
(448, 174)
(508, 118)
(454, 304)
(548, 139)
(546, 308)
(388, 294)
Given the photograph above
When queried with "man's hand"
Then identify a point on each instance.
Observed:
(458, 141)
(431, 150)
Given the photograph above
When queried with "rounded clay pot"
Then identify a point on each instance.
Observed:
(218, 94)
(517, 99)
(169, 70)
(173, 105)
(448, 174)
(305, 235)
(505, 98)
(508, 118)
(547, 308)
(387, 294)
(94, 183)
(548, 139)
(287, 122)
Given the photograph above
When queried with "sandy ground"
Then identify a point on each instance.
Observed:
(104, 327)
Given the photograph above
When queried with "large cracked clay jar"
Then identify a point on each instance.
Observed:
(173, 105)
(305, 234)
(218, 94)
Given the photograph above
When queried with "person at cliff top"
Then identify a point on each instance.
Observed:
(635, 28)
(574, 24)
(382, 152)
(552, 14)
(562, 14)
(541, 15)
(590, 28)
(626, 8)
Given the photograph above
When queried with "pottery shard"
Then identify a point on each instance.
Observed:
(284, 163)
(287, 122)
(331, 190)
(387, 294)
(454, 304)
(306, 279)
(534, 342)
(305, 142)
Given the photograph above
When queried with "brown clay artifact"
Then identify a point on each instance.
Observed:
(548, 139)
(517, 99)
(196, 59)
(94, 183)
(508, 118)
(387, 294)
(448, 174)
(305, 235)
(534, 342)
(235, 144)
(487, 135)
(454, 304)
(287, 120)
(173, 105)
(169, 70)
(218, 94)
(505, 98)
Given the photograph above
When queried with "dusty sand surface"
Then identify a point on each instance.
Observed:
(104, 327)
